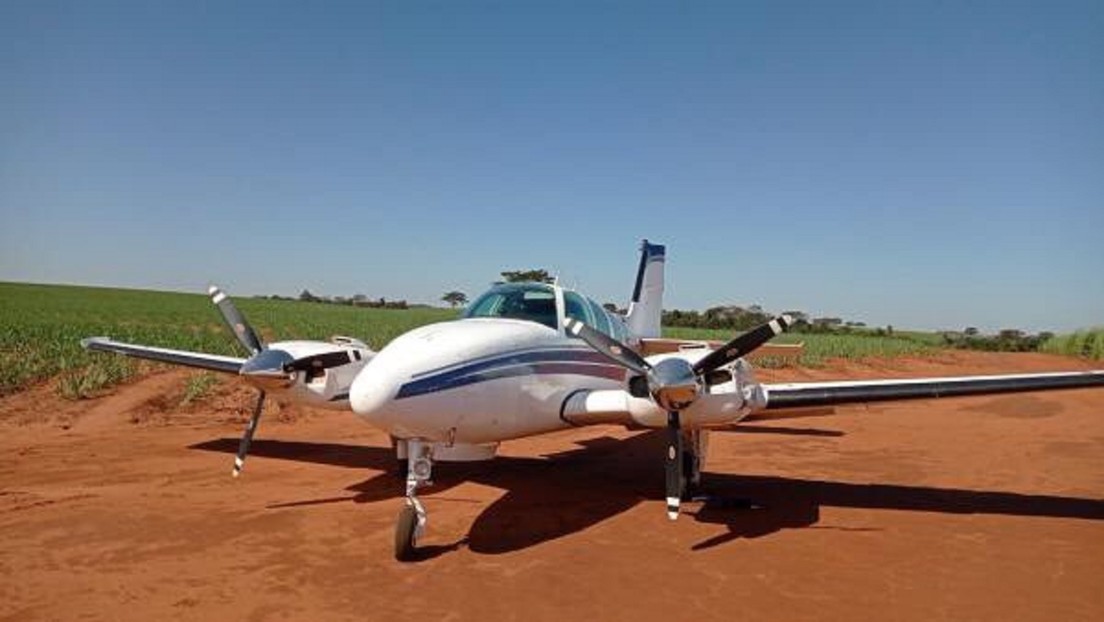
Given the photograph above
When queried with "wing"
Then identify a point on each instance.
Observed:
(213, 362)
(652, 346)
(800, 394)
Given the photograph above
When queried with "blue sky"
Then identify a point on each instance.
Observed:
(929, 165)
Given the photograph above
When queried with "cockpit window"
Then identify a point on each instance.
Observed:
(521, 301)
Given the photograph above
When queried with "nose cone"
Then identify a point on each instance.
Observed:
(673, 383)
(372, 390)
(375, 393)
(266, 362)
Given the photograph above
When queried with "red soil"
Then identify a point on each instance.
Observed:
(976, 508)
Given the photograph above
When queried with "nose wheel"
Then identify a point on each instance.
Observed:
(411, 522)
(405, 528)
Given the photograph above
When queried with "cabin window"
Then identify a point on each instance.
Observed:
(619, 330)
(575, 307)
(602, 321)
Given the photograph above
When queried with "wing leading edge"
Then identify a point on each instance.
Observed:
(213, 362)
(802, 394)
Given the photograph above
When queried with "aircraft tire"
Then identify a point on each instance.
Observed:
(405, 525)
(688, 488)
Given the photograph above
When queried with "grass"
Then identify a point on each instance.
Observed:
(198, 386)
(1085, 343)
(84, 382)
(820, 346)
(41, 327)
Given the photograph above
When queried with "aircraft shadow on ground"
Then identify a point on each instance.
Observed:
(563, 493)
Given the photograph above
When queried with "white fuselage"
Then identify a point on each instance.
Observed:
(478, 380)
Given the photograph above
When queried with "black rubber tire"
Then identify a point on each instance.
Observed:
(688, 489)
(405, 525)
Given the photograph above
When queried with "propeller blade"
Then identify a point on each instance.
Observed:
(742, 345)
(247, 438)
(322, 361)
(674, 464)
(235, 320)
(615, 351)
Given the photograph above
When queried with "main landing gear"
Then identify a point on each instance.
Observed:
(695, 444)
(412, 518)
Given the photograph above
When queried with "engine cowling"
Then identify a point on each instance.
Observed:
(730, 395)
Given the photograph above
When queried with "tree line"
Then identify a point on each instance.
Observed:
(356, 300)
(733, 318)
(1007, 340)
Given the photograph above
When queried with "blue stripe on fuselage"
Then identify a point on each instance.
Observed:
(566, 350)
(570, 361)
(529, 355)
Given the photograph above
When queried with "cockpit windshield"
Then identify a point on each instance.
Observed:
(535, 302)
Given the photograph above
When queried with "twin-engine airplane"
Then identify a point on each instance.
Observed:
(530, 358)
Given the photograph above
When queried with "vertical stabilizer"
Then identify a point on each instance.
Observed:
(646, 306)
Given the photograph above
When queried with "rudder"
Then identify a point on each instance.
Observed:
(646, 307)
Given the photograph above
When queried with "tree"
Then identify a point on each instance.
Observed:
(798, 316)
(455, 298)
(800, 320)
(306, 296)
(518, 276)
(971, 331)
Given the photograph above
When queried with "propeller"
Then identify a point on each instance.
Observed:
(674, 383)
(321, 361)
(266, 366)
(608, 346)
(742, 344)
(247, 438)
(235, 320)
(673, 466)
(257, 365)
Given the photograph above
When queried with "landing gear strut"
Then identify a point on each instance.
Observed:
(693, 459)
(411, 522)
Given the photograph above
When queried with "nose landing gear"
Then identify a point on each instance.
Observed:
(411, 521)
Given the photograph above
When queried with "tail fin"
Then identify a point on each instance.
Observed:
(646, 307)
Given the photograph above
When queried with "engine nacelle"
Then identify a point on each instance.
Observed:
(731, 395)
(326, 388)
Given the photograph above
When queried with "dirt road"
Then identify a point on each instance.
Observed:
(981, 508)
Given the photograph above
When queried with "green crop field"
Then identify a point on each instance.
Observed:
(821, 346)
(1086, 343)
(42, 326)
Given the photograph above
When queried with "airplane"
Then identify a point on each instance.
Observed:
(530, 358)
